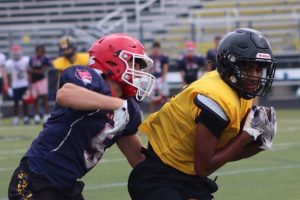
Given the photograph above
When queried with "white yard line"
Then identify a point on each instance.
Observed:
(254, 170)
(224, 173)
(101, 161)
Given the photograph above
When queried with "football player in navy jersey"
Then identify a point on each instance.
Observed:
(160, 70)
(190, 63)
(95, 108)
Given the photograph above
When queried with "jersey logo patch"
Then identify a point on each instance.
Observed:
(84, 76)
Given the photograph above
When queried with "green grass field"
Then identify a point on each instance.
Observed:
(271, 175)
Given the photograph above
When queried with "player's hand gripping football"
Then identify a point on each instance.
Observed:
(121, 118)
(258, 123)
(270, 129)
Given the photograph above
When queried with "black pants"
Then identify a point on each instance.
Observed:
(26, 185)
(153, 180)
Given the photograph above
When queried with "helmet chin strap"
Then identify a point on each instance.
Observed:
(115, 89)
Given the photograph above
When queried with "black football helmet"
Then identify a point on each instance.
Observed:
(238, 49)
(67, 47)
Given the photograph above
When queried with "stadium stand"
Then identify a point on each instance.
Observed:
(29, 22)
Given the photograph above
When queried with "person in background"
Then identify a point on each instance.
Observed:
(190, 64)
(95, 108)
(3, 81)
(17, 67)
(38, 83)
(160, 70)
(209, 123)
(211, 55)
(69, 55)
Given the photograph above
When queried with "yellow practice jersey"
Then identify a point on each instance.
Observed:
(61, 63)
(171, 130)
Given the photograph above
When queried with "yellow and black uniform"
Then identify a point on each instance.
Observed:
(61, 63)
(175, 123)
(171, 134)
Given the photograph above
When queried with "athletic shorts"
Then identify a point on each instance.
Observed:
(40, 88)
(18, 93)
(28, 185)
(152, 179)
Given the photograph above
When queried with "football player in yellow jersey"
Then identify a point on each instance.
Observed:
(209, 123)
(69, 55)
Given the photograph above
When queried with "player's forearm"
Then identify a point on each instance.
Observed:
(222, 156)
(131, 148)
(79, 98)
(4, 76)
(165, 71)
(182, 74)
(248, 151)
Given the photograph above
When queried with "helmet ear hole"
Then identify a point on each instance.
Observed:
(109, 73)
(111, 63)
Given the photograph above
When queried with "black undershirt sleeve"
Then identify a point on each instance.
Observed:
(211, 120)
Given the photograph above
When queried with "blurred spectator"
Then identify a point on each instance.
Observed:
(190, 64)
(38, 83)
(160, 69)
(211, 55)
(3, 81)
(17, 68)
(69, 55)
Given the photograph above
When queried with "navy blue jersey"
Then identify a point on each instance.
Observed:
(38, 63)
(73, 141)
(211, 56)
(191, 66)
(158, 63)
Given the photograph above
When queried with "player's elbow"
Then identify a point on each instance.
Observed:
(202, 171)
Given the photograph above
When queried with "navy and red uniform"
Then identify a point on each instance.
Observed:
(72, 141)
(211, 56)
(190, 66)
(38, 63)
(158, 63)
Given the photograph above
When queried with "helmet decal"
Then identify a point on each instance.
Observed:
(263, 55)
(84, 76)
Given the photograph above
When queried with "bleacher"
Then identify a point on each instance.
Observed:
(278, 19)
(30, 22)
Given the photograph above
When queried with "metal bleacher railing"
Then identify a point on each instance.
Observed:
(170, 21)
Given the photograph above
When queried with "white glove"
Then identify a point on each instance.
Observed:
(270, 131)
(121, 118)
(255, 122)
(10, 92)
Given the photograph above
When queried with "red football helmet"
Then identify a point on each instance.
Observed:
(117, 56)
(16, 52)
(190, 48)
